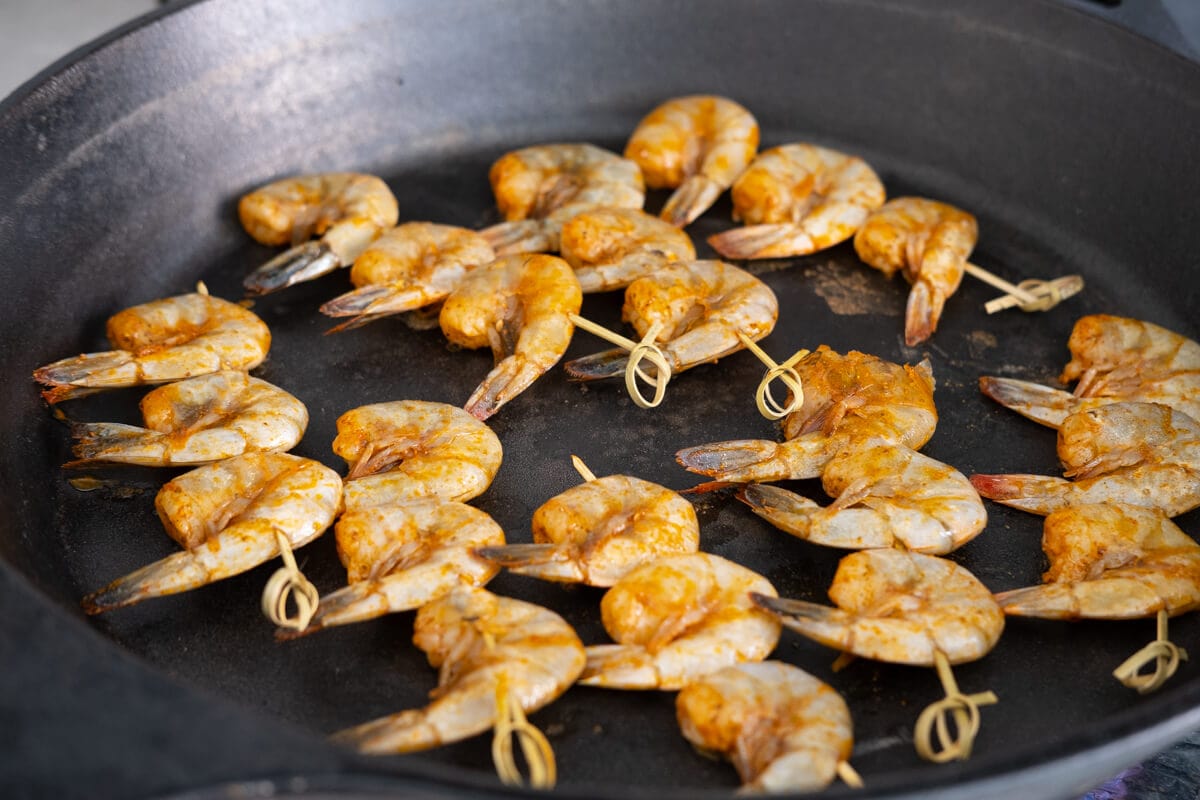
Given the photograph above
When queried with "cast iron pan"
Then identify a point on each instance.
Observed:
(1072, 140)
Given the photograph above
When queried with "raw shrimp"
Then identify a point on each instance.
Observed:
(700, 144)
(477, 640)
(405, 449)
(227, 516)
(612, 247)
(899, 607)
(702, 306)
(520, 306)
(798, 199)
(598, 531)
(885, 494)
(930, 243)
(677, 618)
(1115, 359)
(1111, 562)
(163, 340)
(540, 188)
(784, 730)
(409, 267)
(401, 556)
(1140, 454)
(197, 421)
(346, 209)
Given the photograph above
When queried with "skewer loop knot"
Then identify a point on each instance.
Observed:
(965, 709)
(1165, 655)
(289, 582)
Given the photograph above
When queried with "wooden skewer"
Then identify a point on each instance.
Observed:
(582, 468)
(1028, 295)
(849, 775)
(965, 709)
(289, 582)
(768, 406)
(1165, 654)
(645, 349)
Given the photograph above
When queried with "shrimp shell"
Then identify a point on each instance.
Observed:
(609, 248)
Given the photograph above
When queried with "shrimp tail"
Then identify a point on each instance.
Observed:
(762, 241)
(301, 263)
(357, 602)
(551, 562)
(1031, 400)
(112, 441)
(619, 666)
(755, 460)
(829, 626)
(785, 510)
(404, 732)
(1049, 601)
(1110, 598)
(507, 379)
(175, 573)
(921, 316)
(522, 236)
(1039, 494)
(84, 374)
(376, 301)
(598, 366)
(693, 197)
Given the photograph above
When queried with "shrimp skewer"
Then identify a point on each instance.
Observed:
(197, 421)
(347, 210)
(227, 516)
(797, 199)
(610, 248)
(697, 145)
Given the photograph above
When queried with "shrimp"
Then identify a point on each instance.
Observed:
(847, 399)
(678, 618)
(697, 145)
(1111, 562)
(411, 266)
(401, 556)
(784, 730)
(899, 607)
(702, 306)
(347, 210)
(598, 531)
(163, 340)
(1115, 359)
(885, 494)
(612, 247)
(477, 640)
(406, 449)
(1140, 454)
(520, 306)
(797, 199)
(539, 188)
(930, 243)
(197, 421)
(227, 516)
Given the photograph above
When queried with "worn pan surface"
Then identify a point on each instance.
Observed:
(1073, 141)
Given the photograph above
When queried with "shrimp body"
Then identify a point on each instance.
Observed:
(697, 145)
(784, 730)
(540, 188)
(163, 340)
(1111, 562)
(598, 531)
(406, 449)
(899, 607)
(797, 199)
(520, 306)
(409, 267)
(929, 242)
(197, 421)
(227, 515)
(610, 248)
(677, 618)
(884, 495)
(345, 209)
(477, 640)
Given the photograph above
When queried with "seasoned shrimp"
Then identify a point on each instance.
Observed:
(163, 340)
(1115, 359)
(1111, 562)
(401, 556)
(520, 306)
(598, 531)
(899, 607)
(701, 306)
(347, 210)
(700, 144)
(227, 516)
(798, 199)
(677, 618)
(477, 640)
(409, 267)
(540, 188)
(405, 449)
(885, 494)
(1139, 454)
(197, 421)
(610, 248)
(930, 243)
(784, 730)
(847, 399)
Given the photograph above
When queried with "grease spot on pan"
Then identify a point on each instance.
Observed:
(852, 290)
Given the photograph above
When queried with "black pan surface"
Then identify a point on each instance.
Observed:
(1072, 141)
